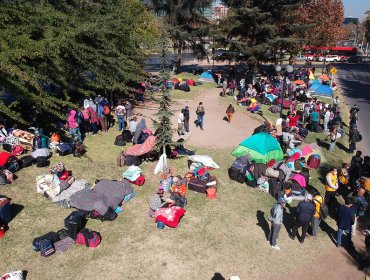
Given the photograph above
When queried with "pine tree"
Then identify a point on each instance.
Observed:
(163, 125)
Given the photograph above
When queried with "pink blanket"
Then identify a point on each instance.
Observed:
(142, 149)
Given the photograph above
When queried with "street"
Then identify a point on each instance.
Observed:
(354, 80)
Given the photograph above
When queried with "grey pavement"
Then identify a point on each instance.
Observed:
(354, 80)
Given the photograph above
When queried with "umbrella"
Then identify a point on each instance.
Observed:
(261, 146)
(324, 78)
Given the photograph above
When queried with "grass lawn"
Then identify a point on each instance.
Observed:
(226, 235)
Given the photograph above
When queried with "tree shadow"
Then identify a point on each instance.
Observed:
(218, 276)
(262, 222)
(322, 143)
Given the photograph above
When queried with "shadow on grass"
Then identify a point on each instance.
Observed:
(15, 209)
(342, 147)
(288, 219)
(322, 143)
(262, 222)
(329, 231)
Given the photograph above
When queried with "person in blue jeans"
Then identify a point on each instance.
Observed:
(200, 115)
(346, 218)
(73, 126)
(120, 112)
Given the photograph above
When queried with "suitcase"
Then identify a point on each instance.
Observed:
(197, 185)
(121, 159)
(74, 223)
(236, 175)
(5, 214)
(26, 161)
(314, 161)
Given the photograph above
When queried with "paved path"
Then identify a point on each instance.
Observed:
(354, 80)
(217, 133)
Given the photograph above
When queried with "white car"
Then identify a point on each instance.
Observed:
(300, 57)
(330, 58)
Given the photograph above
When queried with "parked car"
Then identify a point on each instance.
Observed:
(330, 58)
(301, 57)
(311, 57)
(355, 59)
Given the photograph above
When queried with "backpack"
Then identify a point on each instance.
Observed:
(41, 161)
(26, 161)
(46, 248)
(142, 137)
(139, 181)
(119, 141)
(17, 150)
(64, 149)
(359, 138)
(132, 160)
(73, 223)
(127, 135)
(106, 110)
(79, 150)
(314, 161)
(89, 238)
(51, 236)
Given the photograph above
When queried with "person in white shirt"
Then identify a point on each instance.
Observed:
(120, 112)
(180, 123)
(132, 125)
(326, 119)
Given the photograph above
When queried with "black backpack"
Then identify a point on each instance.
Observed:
(119, 141)
(127, 135)
(133, 160)
(26, 161)
(41, 161)
(142, 138)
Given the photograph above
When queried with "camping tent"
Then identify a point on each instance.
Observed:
(315, 85)
(261, 146)
(324, 91)
(206, 77)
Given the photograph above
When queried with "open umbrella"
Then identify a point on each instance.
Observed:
(262, 147)
(300, 83)
(324, 78)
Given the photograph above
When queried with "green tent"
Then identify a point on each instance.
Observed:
(262, 147)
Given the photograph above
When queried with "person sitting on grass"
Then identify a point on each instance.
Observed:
(159, 200)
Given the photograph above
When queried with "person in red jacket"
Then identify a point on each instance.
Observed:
(293, 119)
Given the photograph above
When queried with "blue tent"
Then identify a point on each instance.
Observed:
(206, 77)
(324, 91)
(315, 85)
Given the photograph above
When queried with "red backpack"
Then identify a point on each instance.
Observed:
(17, 150)
(106, 110)
(88, 237)
(139, 181)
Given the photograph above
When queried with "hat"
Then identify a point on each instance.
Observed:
(309, 196)
(281, 200)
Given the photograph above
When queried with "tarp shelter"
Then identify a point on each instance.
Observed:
(324, 91)
(262, 147)
(206, 77)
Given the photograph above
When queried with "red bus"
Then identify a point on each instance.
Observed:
(316, 53)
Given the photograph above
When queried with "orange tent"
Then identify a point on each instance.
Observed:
(300, 82)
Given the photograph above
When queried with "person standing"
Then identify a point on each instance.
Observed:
(73, 127)
(186, 118)
(230, 112)
(120, 112)
(304, 213)
(276, 219)
(331, 186)
(346, 218)
(315, 120)
(94, 121)
(224, 87)
(354, 137)
(200, 112)
(180, 124)
(326, 119)
(316, 219)
(86, 120)
(333, 137)
(128, 107)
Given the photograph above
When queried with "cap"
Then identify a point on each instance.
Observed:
(281, 200)
(309, 196)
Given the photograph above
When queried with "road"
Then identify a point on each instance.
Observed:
(354, 80)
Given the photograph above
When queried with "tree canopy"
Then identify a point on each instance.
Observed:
(53, 53)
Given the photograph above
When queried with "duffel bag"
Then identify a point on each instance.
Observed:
(26, 161)
(89, 238)
(127, 135)
(41, 162)
(133, 160)
(5, 158)
(64, 149)
(51, 236)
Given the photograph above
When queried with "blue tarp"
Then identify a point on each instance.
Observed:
(324, 91)
(206, 77)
